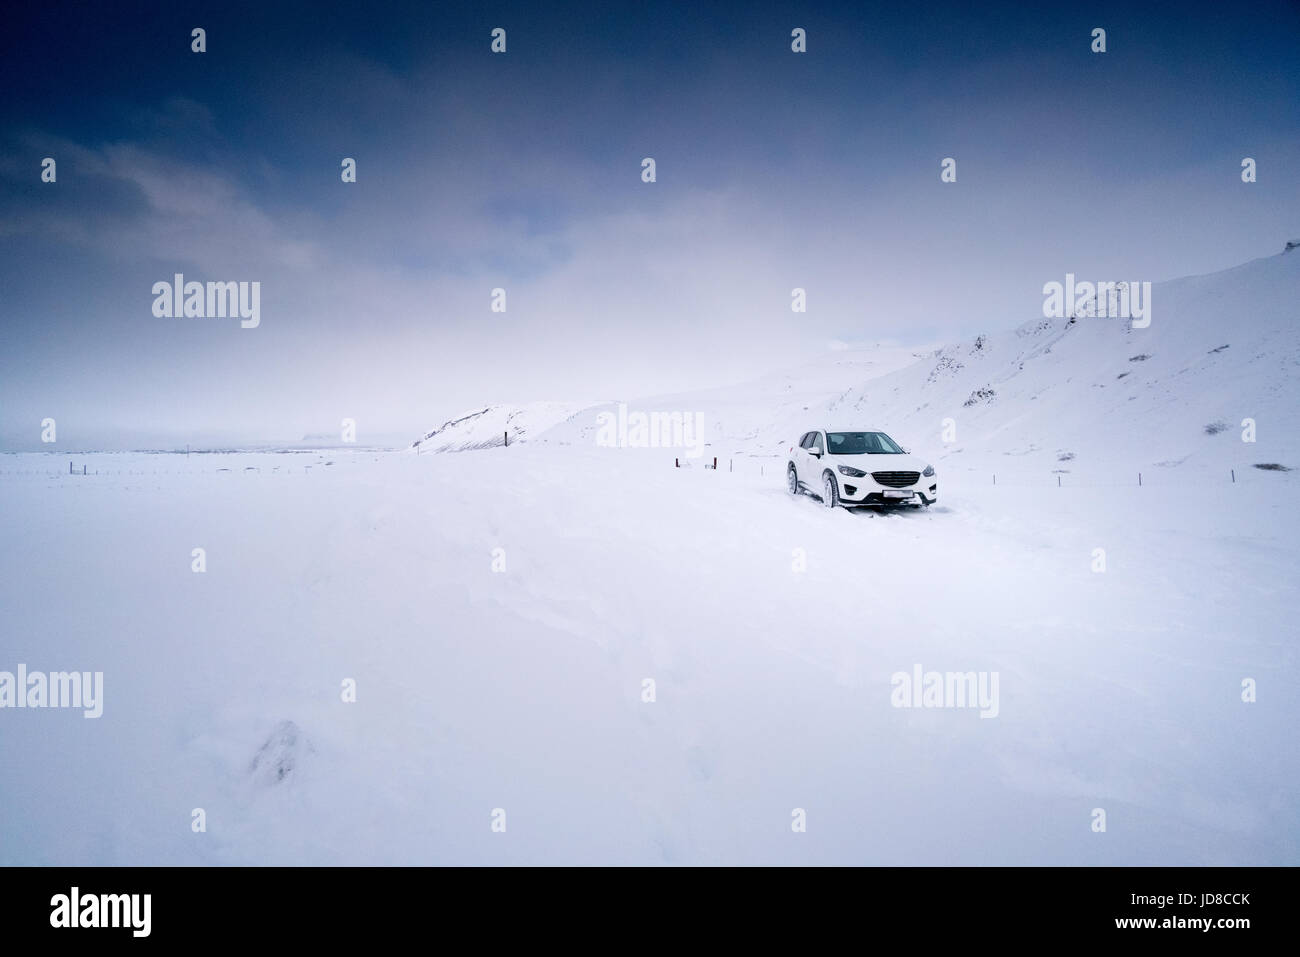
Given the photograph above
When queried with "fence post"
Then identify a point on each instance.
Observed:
(1139, 479)
(1234, 476)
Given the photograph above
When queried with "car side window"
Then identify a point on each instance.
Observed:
(806, 440)
(816, 442)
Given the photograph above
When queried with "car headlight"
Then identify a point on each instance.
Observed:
(929, 471)
(851, 472)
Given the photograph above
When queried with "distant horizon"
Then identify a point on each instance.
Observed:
(206, 441)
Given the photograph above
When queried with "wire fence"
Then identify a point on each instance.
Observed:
(772, 468)
(1261, 475)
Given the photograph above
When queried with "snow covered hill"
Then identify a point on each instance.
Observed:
(1095, 393)
(487, 427)
(565, 422)
(1082, 397)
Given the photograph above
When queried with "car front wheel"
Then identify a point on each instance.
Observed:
(830, 491)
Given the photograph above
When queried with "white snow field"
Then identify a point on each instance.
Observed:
(771, 627)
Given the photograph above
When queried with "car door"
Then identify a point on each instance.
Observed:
(812, 473)
(798, 456)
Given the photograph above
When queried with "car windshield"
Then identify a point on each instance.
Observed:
(861, 443)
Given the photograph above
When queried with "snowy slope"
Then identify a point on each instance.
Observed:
(1097, 393)
(487, 427)
(564, 422)
(1090, 397)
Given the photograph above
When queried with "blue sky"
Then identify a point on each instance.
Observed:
(522, 171)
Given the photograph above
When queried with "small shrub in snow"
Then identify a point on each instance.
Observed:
(946, 365)
(1214, 428)
(1272, 467)
(282, 751)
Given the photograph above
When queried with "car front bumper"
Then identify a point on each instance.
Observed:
(865, 491)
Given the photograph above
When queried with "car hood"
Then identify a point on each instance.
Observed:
(881, 462)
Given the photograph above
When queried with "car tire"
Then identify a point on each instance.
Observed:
(792, 479)
(830, 490)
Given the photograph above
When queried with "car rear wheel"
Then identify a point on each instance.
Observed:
(792, 479)
(830, 491)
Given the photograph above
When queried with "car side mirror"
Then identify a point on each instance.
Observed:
(816, 452)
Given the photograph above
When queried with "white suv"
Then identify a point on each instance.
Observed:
(859, 468)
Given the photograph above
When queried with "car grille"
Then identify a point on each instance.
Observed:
(896, 479)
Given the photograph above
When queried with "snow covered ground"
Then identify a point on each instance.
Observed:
(500, 610)
(521, 689)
